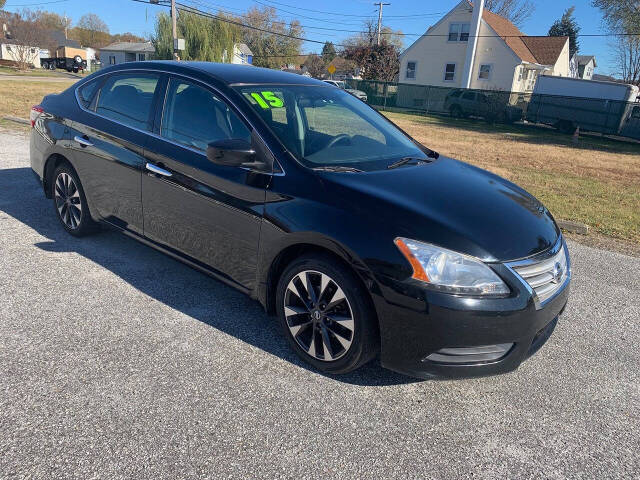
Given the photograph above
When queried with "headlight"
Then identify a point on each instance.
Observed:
(449, 271)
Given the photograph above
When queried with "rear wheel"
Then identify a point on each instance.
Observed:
(326, 314)
(70, 202)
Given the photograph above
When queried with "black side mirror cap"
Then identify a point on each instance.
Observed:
(232, 152)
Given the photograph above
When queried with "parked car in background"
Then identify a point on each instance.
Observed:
(361, 240)
(597, 106)
(340, 84)
(493, 107)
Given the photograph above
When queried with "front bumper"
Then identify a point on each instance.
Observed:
(429, 334)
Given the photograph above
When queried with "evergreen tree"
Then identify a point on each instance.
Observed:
(328, 52)
(567, 26)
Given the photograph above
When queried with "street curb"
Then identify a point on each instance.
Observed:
(17, 120)
(574, 227)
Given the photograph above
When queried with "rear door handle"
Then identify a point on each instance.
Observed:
(83, 141)
(160, 171)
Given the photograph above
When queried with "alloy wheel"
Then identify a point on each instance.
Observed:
(318, 315)
(68, 202)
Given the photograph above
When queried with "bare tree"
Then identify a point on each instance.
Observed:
(622, 19)
(517, 11)
(627, 56)
(91, 31)
(27, 36)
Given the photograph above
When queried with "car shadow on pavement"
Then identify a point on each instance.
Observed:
(165, 279)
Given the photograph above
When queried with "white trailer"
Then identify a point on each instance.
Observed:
(567, 103)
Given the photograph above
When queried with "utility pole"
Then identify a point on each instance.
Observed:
(380, 4)
(175, 30)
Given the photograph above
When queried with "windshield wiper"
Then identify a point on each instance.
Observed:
(337, 168)
(405, 160)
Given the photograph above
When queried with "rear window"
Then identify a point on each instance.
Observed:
(128, 99)
(86, 91)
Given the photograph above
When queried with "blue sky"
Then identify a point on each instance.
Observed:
(126, 15)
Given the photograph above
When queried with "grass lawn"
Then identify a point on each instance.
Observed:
(18, 97)
(596, 181)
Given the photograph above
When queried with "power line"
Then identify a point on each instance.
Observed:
(355, 15)
(223, 8)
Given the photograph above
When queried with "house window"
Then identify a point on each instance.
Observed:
(520, 69)
(112, 59)
(458, 32)
(485, 72)
(8, 48)
(141, 57)
(450, 72)
(411, 71)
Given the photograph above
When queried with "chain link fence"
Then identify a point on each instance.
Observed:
(565, 113)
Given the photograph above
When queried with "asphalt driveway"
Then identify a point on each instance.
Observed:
(119, 362)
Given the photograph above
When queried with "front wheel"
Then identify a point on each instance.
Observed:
(326, 314)
(70, 202)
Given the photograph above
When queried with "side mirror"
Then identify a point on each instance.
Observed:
(232, 152)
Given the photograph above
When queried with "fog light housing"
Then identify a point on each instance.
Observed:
(461, 355)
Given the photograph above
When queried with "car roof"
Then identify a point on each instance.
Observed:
(226, 73)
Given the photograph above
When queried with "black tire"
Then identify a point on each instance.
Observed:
(52, 66)
(364, 338)
(45, 66)
(76, 221)
(566, 126)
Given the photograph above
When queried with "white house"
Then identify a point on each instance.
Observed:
(586, 64)
(242, 54)
(121, 52)
(16, 53)
(482, 50)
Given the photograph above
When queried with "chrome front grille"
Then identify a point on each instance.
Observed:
(545, 275)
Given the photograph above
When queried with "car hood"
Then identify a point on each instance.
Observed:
(451, 204)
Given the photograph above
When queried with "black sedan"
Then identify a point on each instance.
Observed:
(361, 240)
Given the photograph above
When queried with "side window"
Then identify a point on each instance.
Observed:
(636, 112)
(86, 91)
(468, 96)
(194, 116)
(411, 70)
(449, 72)
(459, 32)
(485, 72)
(127, 99)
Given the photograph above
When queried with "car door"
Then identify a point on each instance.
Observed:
(108, 140)
(211, 213)
(467, 101)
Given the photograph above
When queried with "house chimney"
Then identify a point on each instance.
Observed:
(472, 44)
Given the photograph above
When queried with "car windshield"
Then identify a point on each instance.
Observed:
(328, 127)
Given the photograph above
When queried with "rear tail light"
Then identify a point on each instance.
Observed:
(35, 112)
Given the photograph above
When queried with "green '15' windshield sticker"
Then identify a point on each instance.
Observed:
(267, 99)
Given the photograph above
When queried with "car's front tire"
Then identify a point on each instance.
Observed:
(326, 314)
(70, 202)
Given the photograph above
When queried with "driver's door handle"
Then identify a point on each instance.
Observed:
(83, 141)
(160, 171)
